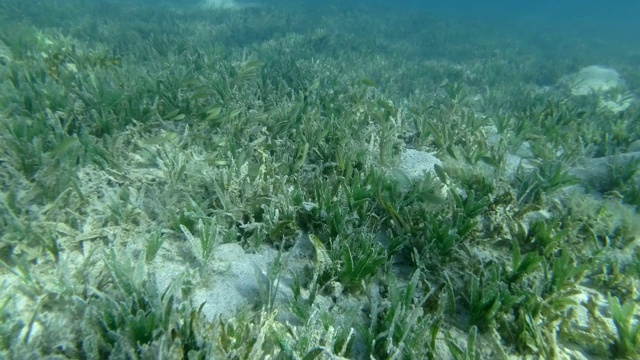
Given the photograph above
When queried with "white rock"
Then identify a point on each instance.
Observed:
(617, 105)
(233, 281)
(593, 79)
(415, 163)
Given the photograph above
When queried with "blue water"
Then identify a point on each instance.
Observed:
(606, 19)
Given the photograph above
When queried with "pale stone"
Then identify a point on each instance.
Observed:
(593, 79)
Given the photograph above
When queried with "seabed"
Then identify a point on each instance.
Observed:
(313, 182)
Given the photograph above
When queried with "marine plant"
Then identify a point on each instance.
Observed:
(130, 145)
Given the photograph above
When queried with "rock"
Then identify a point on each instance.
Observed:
(234, 278)
(596, 172)
(415, 163)
(593, 79)
(600, 81)
(634, 147)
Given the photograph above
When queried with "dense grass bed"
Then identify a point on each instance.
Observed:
(210, 183)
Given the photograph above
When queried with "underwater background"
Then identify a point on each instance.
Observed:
(235, 179)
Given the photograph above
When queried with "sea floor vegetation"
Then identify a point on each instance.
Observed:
(232, 183)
